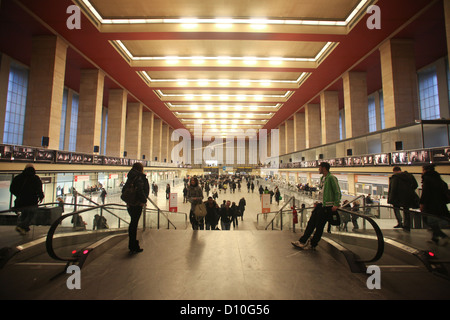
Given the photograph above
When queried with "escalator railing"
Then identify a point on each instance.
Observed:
(370, 236)
(74, 231)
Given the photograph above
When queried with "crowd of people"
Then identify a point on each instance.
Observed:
(209, 215)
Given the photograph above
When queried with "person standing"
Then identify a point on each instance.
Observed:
(330, 193)
(434, 202)
(402, 194)
(137, 178)
(27, 188)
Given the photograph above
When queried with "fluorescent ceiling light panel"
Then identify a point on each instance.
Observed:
(224, 23)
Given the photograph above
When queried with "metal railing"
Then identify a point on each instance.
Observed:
(378, 233)
(49, 243)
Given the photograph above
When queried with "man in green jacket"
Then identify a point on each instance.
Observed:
(330, 194)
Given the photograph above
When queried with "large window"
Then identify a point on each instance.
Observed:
(62, 131)
(73, 123)
(382, 110)
(15, 105)
(428, 94)
(341, 125)
(372, 114)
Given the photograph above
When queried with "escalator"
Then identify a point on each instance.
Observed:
(394, 251)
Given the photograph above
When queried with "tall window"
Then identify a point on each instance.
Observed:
(382, 110)
(428, 94)
(15, 105)
(341, 125)
(62, 131)
(73, 123)
(372, 114)
(104, 132)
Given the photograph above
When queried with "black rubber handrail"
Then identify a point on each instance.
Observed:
(56, 223)
(379, 234)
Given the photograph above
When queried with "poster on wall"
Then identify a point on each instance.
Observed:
(441, 155)
(381, 159)
(419, 157)
(173, 202)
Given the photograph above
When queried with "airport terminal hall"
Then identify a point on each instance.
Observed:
(228, 158)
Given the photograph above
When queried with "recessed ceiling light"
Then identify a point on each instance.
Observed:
(172, 60)
(250, 60)
(198, 60)
(203, 82)
(223, 60)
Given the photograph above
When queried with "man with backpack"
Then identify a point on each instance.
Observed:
(27, 187)
(135, 193)
(402, 194)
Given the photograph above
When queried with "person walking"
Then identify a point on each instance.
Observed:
(234, 214)
(195, 196)
(434, 202)
(402, 195)
(277, 195)
(136, 178)
(241, 205)
(27, 188)
(211, 214)
(103, 194)
(226, 216)
(168, 191)
(330, 193)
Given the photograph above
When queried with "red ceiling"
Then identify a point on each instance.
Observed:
(356, 51)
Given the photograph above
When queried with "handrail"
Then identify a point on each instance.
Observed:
(55, 224)
(161, 211)
(99, 205)
(412, 211)
(379, 234)
(279, 212)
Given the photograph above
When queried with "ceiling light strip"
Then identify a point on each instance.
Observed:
(226, 81)
(228, 106)
(221, 22)
(224, 95)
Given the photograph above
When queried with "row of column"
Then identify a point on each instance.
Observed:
(130, 128)
(319, 123)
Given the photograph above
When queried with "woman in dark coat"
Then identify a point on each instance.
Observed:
(137, 177)
(434, 202)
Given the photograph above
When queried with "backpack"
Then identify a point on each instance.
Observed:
(129, 193)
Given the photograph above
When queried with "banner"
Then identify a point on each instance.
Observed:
(173, 202)
(265, 202)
